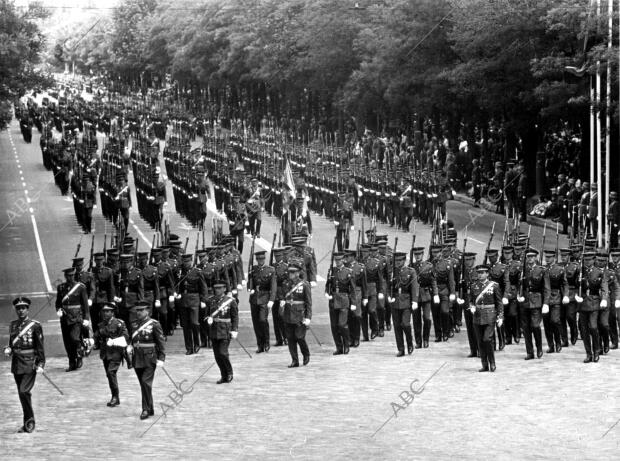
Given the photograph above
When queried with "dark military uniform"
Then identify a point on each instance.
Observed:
(427, 290)
(110, 337)
(446, 286)
(225, 320)
(281, 269)
(104, 292)
(341, 293)
(361, 300)
(404, 292)
(295, 307)
(193, 289)
(486, 301)
(558, 294)
(263, 286)
(594, 289)
(149, 346)
(374, 288)
(26, 349)
(536, 291)
(72, 306)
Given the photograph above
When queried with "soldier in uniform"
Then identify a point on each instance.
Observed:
(237, 219)
(149, 351)
(193, 290)
(512, 275)
(281, 269)
(123, 201)
(533, 303)
(592, 297)
(166, 294)
(28, 357)
(614, 267)
(558, 297)
(375, 284)
(262, 287)
(361, 296)
(343, 220)
(568, 312)
(104, 291)
(444, 275)
(296, 312)
(131, 289)
(476, 181)
(254, 205)
(428, 294)
(403, 301)
(613, 219)
(223, 321)
(470, 277)
(601, 261)
(111, 339)
(72, 308)
(340, 291)
(497, 273)
(486, 306)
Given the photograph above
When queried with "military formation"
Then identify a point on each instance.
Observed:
(124, 302)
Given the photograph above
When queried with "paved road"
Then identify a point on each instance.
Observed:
(555, 407)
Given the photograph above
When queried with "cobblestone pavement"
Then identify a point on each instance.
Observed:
(556, 407)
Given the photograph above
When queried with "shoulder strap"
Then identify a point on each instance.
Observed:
(487, 288)
(142, 328)
(75, 287)
(294, 288)
(24, 331)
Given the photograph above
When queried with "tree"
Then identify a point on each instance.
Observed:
(21, 44)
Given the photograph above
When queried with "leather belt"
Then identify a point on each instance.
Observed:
(23, 351)
(144, 346)
(218, 320)
(73, 306)
(297, 302)
(486, 306)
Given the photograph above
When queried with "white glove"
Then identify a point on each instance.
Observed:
(545, 308)
(39, 369)
(243, 283)
(578, 298)
(473, 309)
(328, 296)
(202, 305)
(436, 299)
(520, 299)
(364, 302)
(157, 303)
(313, 284)
(505, 301)
(239, 286)
(90, 302)
(565, 300)
(352, 227)
(247, 223)
(282, 303)
(86, 323)
(234, 334)
(234, 292)
(414, 305)
(270, 304)
(353, 307)
(603, 304)
(177, 296)
(252, 292)
(117, 299)
(160, 363)
(165, 203)
(452, 298)
(380, 296)
(306, 322)
(171, 299)
(7, 351)
(617, 304)
(336, 223)
(460, 301)
(95, 207)
(500, 322)
(391, 300)
(109, 342)
(59, 313)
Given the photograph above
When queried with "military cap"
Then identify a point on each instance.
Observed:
(435, 248)
(470, 256)
(219, 284)
(589, 255)
(571, 180)
(492, 252)
(374, 247)
(352, 253)
(127, 247)
(585, 185)
(99, 256)
(187, 257)
(482, 268)
(260, 254)
(235, 197)
(602, 254)
(338, 256)
(510, 164)
(381, 238)
(294, 266)
(531, 252)
(21, 301)
(400, 256)
(565, 251)
(175, 244)
(78, 261)
(549, 253)
(126, 258)
(614, 253)
(69, 271)
(141, 305)
(156, 251)
(417, 250)
(507, 249)
(174, 237)
(498, 164)
(593, 186)
(591, 242)
(613, 194)
(113, 253)
(164, 250)
(108, 306)
(143, 255)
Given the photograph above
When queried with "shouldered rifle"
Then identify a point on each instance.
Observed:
(204, 243)
(92, 251)
(393, 267)
(330, 273)
(412, 247)
(273, 244)
(79, 245)
(152, 247)
(363, 234)
(105, 246)
(524, 265)
(504, 237)
(486, 252)
(135, 253)
(542, 248)
(462, 278)
(557, 240)
(582, 269)
(196, 249)
(250, 262)
(186, 243)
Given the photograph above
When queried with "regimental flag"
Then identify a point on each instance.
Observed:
(288, 186)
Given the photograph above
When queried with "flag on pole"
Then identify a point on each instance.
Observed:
(288, 186)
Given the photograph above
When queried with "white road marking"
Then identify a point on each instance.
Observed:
(142, 236)
(475, 240)
(48, 283)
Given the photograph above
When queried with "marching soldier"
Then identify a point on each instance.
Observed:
(486, 306)
(340, 291)
(470, 278)
(403, 301)
(28, 357)
(223, 321)
(568, 311)
(446, 286)
(558, 296)
(103, 278)
(193, 290)
(427, 293)
(343, 220)
(361, 296)
(375, 292)
(149, 351)
(281, 269)
(131, 289)
(262, 286)
(254, 205)
(512, 275)
(72, 308)
(497, 273)
(534, 304)
(601, 261)
(237, 219)
(111, 339)
(296, 312)
(613, 219)
(123, 200)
